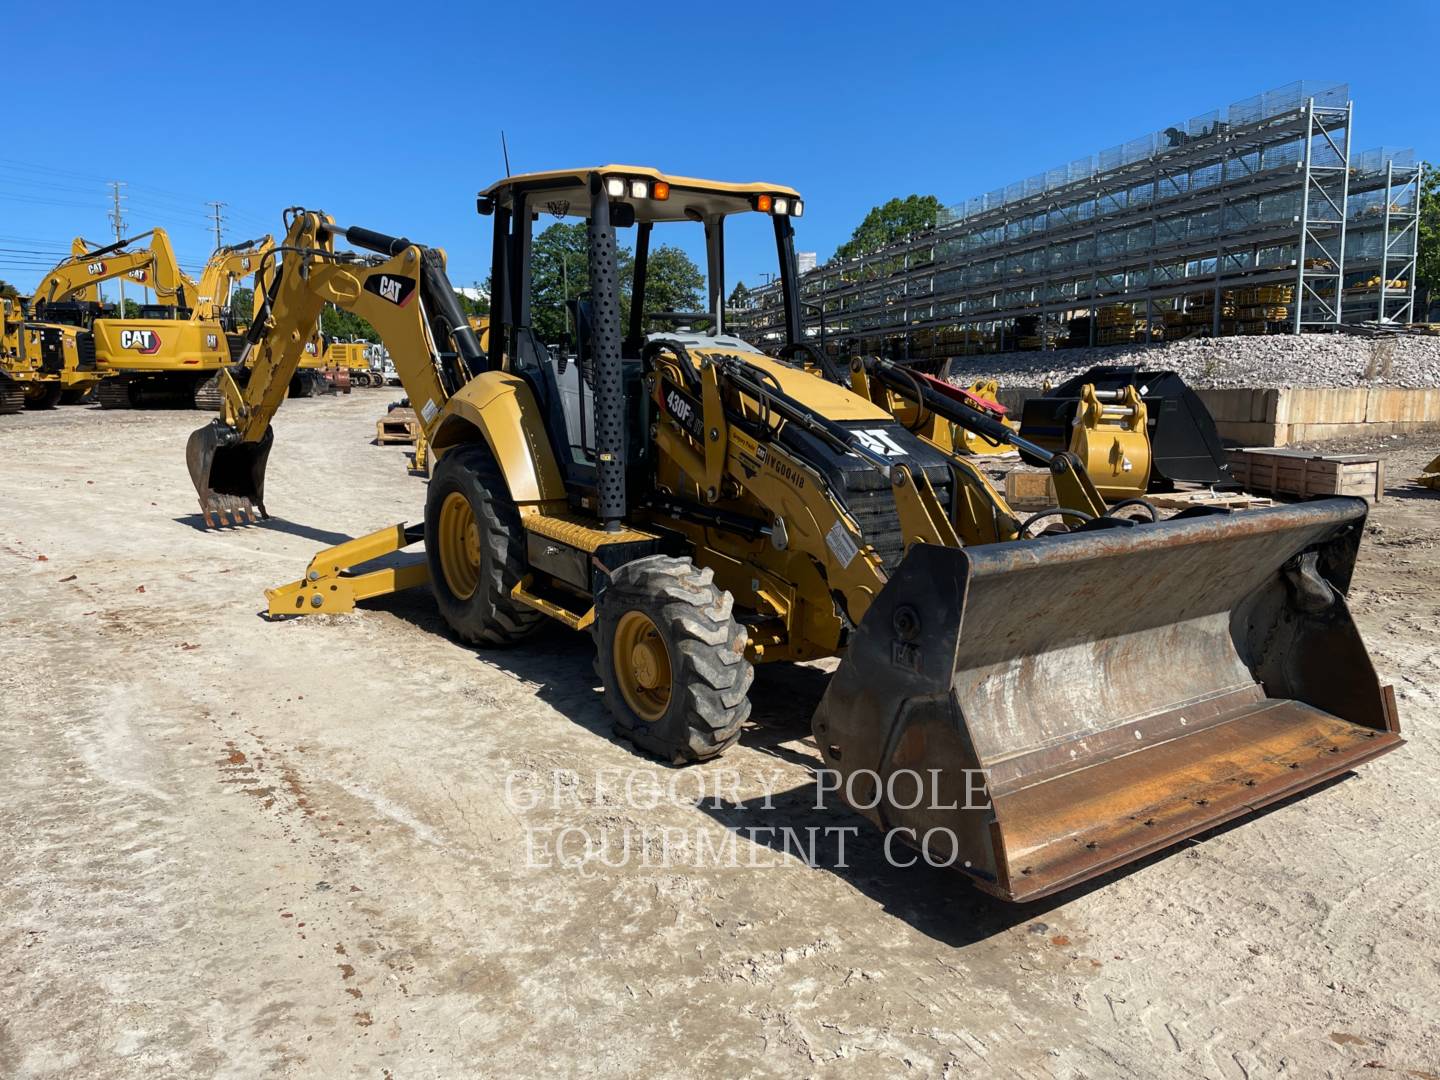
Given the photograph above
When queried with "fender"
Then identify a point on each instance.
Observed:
(503, 409)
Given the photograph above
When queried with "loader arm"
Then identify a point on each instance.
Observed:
(401, 290)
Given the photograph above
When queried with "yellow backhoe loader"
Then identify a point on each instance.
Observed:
(699, 507)
(171, 353)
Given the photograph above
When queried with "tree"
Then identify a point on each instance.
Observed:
(7, 290)
(1427, 268)
(242, 305)
(479, 304)
(893, 221)
(560, 269)
(740, 297)
(338, 324)
(672, 282)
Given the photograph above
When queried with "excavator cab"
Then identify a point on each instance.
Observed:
(1003, 698)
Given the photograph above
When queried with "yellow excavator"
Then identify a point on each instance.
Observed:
(171, 353)
(1004, 700)
(48, 349)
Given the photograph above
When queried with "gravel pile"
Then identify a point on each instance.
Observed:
(1282, 360)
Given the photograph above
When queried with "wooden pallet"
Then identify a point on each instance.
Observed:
(1225, 500)
(397, 426)
(1305, 474)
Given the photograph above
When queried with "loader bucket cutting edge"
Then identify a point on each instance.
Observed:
(228, 473)
(1100, 696)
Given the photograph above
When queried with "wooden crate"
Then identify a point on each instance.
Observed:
(397, 426)
(1305, 474)
(1029, 489)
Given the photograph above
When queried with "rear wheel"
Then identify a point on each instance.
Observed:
(672, 659)
(44, 395)
(475, 545)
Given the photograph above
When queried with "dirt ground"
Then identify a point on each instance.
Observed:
(236, 848)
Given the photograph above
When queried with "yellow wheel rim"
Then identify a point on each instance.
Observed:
(642, 666)
(459, 545)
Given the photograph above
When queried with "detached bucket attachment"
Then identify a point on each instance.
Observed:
(228, 473)
(1089, 698)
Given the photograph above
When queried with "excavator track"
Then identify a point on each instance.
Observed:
(207, 394)
(12, 397)
(114, 393)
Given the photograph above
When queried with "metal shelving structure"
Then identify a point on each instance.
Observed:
(1383, 233)
(1235, 221)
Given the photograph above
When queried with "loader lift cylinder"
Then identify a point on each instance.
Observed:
(605, 346)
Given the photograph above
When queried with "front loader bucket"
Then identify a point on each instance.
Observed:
(1038, 712)
(228, 473)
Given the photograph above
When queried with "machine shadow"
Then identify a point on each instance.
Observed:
(938, 902)
(292, 528)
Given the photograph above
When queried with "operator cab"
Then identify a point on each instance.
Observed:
(637, 200)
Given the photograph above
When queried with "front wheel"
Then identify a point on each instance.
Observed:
(475, 545)
(672, 659)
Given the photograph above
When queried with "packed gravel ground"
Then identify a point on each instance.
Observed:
(1280, 360)
(324, 848)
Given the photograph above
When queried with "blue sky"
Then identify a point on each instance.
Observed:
(388, 115)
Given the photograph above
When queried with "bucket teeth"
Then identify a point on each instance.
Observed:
(225, 511)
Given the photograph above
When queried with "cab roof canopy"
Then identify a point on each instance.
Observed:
(566, 192)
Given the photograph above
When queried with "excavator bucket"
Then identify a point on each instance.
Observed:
(1039, 712)
(1430, 476)
(228, 473)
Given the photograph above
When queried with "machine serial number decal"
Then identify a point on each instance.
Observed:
(784, 469)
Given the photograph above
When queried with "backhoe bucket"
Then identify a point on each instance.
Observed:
(1039, 712)
(228, 473)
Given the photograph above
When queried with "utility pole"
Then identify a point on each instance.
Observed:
(215, 208)
(119, 222)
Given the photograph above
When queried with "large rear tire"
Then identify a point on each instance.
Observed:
(475, 545)
(672, 659)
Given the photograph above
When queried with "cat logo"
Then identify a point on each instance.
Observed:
(95, 269)
(310, 347)
(145, 342)
(138, 275)
(212, 341)
(397, 290)
(244, 264)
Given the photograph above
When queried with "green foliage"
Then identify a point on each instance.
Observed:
(1427, 270)
(344, 325)
(478, 305)
(893, 221)
(672, 282)
(560, 269)
(8, 290)
(739, 296)
(242, 304)
(130, 309)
